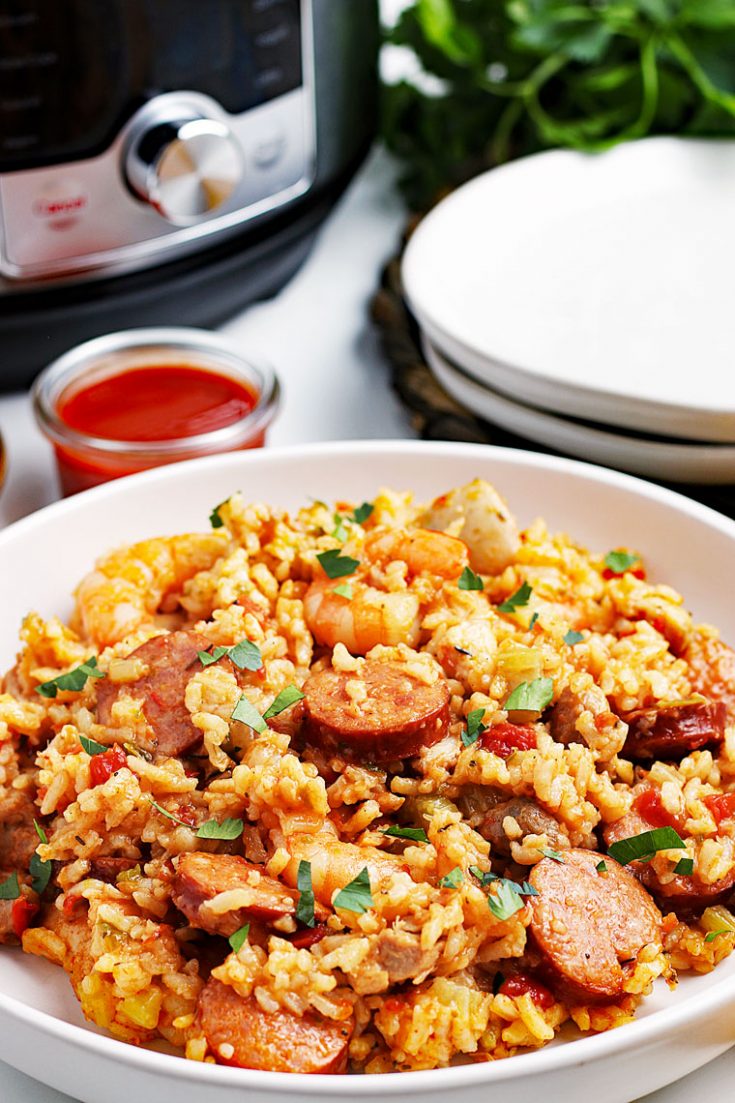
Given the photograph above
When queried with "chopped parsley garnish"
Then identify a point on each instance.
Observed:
(644, 846)
(287, 697)
(714, 934)
(532, 621)
(553, 854)
(468, 580)
(685, 866)
(619, 561)
(452, 880)
(246, 712)
(336, 565)
(524, 889)
(485, 879)
(237, 940)
(516, 600)
(344, 590)
(475, 727)
(73, 681)
(356, 897)
(245, 655)
(10, 889)
(305, 907)
(91, 746)
(215, 519)
(506, 900)
(229, 828)
(416, 834)
(40, 871)
(572, 637)
(530, 696)
(361, 514)
(339, 531)
(601, 867)
(40, 832)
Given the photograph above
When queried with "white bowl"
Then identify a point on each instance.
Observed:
(42, 1032)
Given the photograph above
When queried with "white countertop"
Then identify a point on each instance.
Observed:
(317, 335)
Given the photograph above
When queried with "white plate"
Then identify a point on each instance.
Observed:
(686, 463)
(595, 285)
(41, 558)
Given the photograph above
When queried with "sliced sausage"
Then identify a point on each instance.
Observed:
(684, 895)
(240, 1033)
(171, 661)
(587, 925)
(674, 731)
(531, 819)
(712, 666)
(200, 877)
(380, 714)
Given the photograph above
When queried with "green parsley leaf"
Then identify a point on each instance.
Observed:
(214, 518)
(246, 712)
(40, 832)
(361, 514)
(245, 655)
(601, 867)
(475, 727)
(10, 889)
(619, 561)
(452, 880)
(344, 590)
(417, 834)
(336, 565)
(339, 532)
(229, 828)
(237, 940)
(40, 871)
(713, 934)
(73, 681)
(530, 696)
(516, 600)
(287, 697)
(573, 637)
(468, 580)
(91, 746)
(485, 879)
(305, 907)
(532, 621)
(356, 897)
(685, 866)
(524, 889)
(645, 845)
(506, 901)
(553, 854)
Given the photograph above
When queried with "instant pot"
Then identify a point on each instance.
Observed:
(168, 160)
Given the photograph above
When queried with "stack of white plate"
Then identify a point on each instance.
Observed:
(587, 303)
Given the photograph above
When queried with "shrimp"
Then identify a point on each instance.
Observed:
(423, 551)
(126, 588)
(368, 618)
(335, 863)
(488, 528)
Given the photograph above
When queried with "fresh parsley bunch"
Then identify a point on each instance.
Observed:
(510, 77)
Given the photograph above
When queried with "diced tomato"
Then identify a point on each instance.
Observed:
(302, 940)
(649, 804)
(637, 570)
(721, 805)
(187, 814)
(521, 983)
(103, 766)
(503, 739)
(21, 914)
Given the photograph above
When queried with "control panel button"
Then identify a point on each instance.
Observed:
(185, 168)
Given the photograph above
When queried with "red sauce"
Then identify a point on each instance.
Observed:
(147, 406)
(503, 739)
(522, 983)
(650, 806)
(721, 805)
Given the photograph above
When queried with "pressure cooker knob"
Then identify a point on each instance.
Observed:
(185, 168)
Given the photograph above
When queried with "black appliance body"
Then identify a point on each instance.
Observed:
(168, 161)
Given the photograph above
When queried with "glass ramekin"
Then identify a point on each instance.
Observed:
(84, 460)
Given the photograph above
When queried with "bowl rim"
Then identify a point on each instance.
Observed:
(574, 1052)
